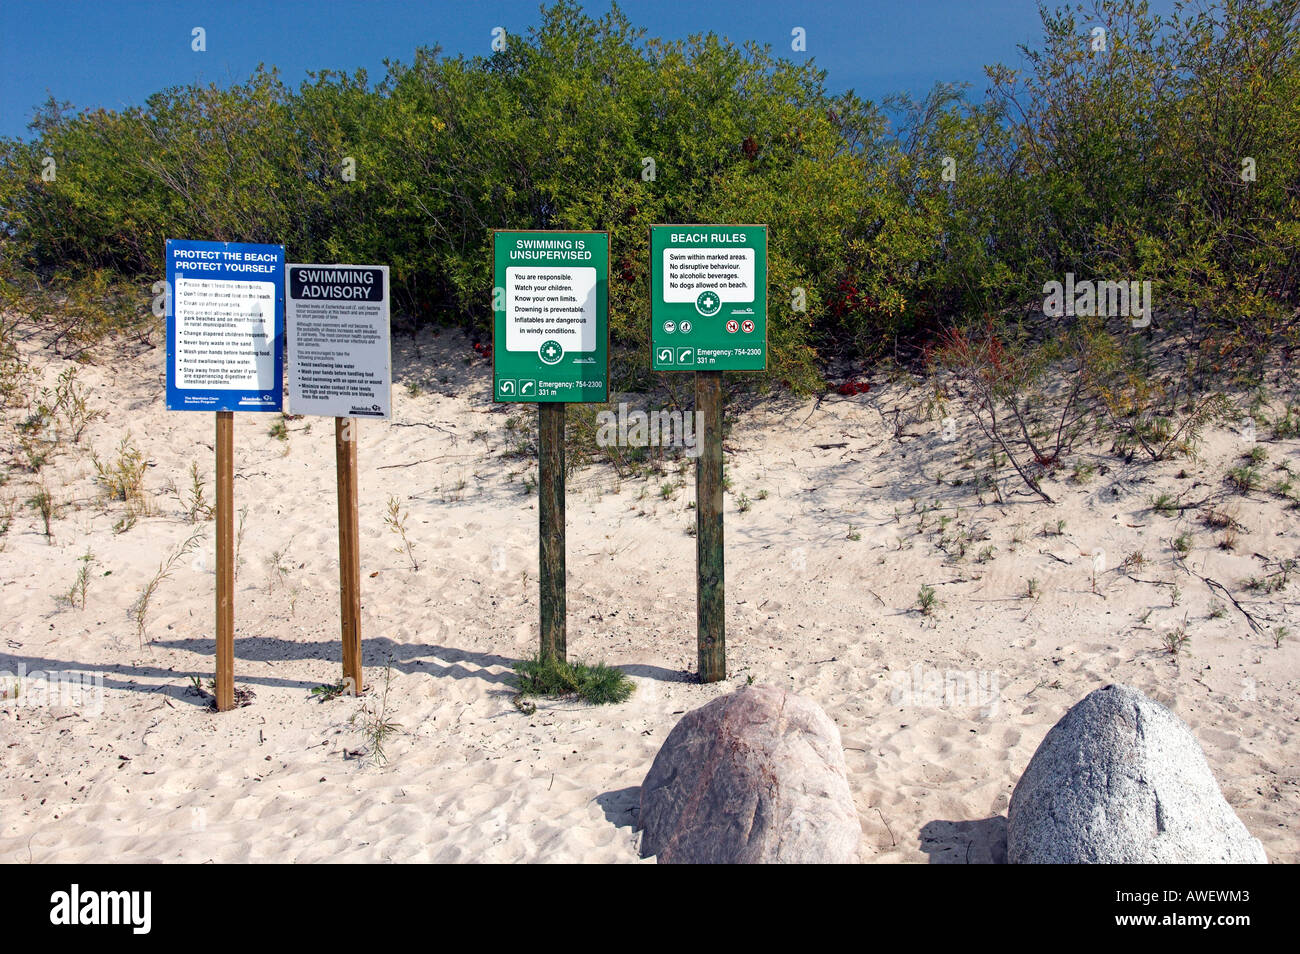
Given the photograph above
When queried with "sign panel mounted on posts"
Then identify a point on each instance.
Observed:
(708, 297)
(551, 317)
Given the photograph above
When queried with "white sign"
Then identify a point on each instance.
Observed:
(216, 320)
(336, 322)
(727, 271)
(550, 303)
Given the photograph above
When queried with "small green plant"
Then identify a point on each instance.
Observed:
(551, 677)
(1165, 504)
(1031, 589)
(926, 600)
(1176, 640)
(196, 506)
(329, 691)
(280, 429)
(43, 503)
(986, 554)
(6, 518)
(395, 519)
(121, 478)
(1082, 473)
(1134, 562)
(279, 569)
(239, 540)
(743, 503)
(853, 534)
(667, 489)
(1279, 633)
(1218, 610)
(139, 610)
(1257, 454)
(1183, 544)
(76, 595)
(1243, 479)
(377, 725)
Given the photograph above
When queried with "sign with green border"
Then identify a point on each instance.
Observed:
(551, 317)
(708, 297)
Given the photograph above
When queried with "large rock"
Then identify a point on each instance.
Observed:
(1121, 780)
(753, 777)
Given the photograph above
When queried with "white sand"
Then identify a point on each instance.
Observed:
(156, 777)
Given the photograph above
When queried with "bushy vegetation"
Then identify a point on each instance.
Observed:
(1124, 163)
(544, 675)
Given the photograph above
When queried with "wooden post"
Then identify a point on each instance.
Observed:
(345, 456)
(550, 509)
(711, 611)
(225, 561)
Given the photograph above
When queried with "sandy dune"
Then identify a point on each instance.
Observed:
(823, 573)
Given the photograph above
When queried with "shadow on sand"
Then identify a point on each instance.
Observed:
(982, 842)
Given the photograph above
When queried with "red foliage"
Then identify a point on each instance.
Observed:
(984, 357)
(854, 386)
(848, 298)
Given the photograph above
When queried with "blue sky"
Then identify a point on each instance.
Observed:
(115, 53)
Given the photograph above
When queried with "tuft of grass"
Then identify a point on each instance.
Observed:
(329, 691)
(1165, 505)
(197, 507)
(1176, 640)
(6, 518)
(376, 722)
(1243, 479)
(926, 600)
(395, 519)
(139, 610)
(76, 595)
(1134, 562)
(1183, 544)
(122, 478)
(43, 503)
(548, 676)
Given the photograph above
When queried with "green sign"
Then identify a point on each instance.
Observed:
(551, 321)
(708, 297)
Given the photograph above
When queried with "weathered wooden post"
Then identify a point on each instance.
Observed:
(711, 605)
(550, 510)
(345, 458)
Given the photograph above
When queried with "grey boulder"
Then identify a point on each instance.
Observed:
(753, 777)
(1122, 780)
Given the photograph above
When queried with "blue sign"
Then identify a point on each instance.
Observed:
(225, 326)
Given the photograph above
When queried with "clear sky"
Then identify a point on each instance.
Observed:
(114, 53)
